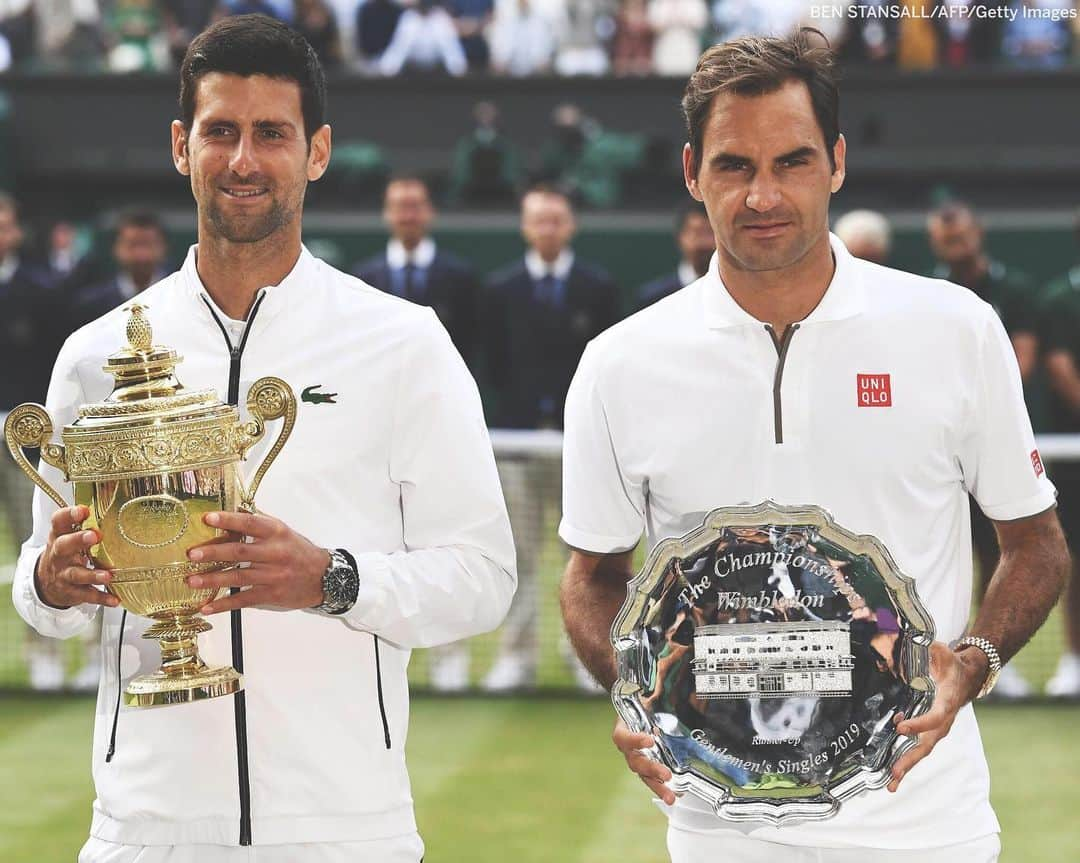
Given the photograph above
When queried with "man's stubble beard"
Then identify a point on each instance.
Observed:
(253, 229)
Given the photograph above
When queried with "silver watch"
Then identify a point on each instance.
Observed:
(340, 583)
(992, 656)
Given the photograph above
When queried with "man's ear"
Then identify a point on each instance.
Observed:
(319, 153)
(180, 147)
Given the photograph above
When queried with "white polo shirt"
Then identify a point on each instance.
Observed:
(899, 395)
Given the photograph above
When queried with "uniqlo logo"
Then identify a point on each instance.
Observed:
(1036, 462)
(874, 391)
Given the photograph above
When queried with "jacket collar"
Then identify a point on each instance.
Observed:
(844, 298)
(284, 294)
(422, 256)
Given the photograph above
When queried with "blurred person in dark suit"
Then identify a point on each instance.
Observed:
(1060, 337)
(32, 327)
(139, 252)
(957, 241)
(696, 242)
(471, 20)
(541, 312)
(414, 267)
(376, 21)
(866, 234)
(318, 24)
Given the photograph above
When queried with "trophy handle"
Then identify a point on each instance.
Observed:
(29, 425)
(269, 398)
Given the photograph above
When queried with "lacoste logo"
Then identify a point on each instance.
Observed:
(311, 397)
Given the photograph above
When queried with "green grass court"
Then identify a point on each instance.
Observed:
(524, 781)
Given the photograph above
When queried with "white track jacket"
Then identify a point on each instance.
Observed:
(397, 468)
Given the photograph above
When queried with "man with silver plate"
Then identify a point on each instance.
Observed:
(380, 528)
(796, 433)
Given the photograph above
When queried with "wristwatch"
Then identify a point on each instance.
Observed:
(991, 654)
(340, 582)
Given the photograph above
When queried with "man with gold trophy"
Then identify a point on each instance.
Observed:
(379, 527)
(797, 433)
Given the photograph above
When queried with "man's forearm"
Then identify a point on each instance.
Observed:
(1027, 583)
(592, 592)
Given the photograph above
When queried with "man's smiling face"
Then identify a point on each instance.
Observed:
(247, 155)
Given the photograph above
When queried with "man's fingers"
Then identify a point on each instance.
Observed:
(647, 768)
(921, 724)
(245, 598)
(67, 520)
(72, 545)
(77, 575)
(912, 757)
(229, 552)
(86, 595)
(244, 523)
(660, 790)
(627, 741)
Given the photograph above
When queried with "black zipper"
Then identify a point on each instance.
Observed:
(119, 689)
(235, 620)
(378, 684)
(782, 344)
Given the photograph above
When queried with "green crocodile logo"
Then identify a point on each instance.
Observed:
(309, 395)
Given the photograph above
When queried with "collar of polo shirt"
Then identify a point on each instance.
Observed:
(844, 297)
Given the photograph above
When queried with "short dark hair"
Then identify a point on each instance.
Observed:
(546, 188)
(139, 219)
(685, 211)
(407, 178)
(758, 65)
(255, 45)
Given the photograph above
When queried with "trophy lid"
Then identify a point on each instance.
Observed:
(146, 384)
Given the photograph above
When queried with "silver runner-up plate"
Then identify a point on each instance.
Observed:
(767, 652)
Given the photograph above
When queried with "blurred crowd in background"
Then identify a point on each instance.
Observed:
(522, 329)
(541, 37)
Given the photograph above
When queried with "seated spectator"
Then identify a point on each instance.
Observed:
(632, 48)
(680, 28)
(376, 21)
(471, 19)
(425, 40)
(973, 37)
(870, 39)
(522, 39)
(18, 31)
(280, 9)
(186, 19)
(1038, 40)
(582, 38)
(134, 29)
(486, 168)
(318, 24)
(587, 161)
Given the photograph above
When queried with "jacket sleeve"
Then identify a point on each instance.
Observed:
(457, 574)
(65, 395)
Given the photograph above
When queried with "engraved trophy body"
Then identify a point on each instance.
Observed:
(149, 462)
(768, 652)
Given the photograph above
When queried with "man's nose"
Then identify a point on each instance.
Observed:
(764, 193)
(242, 162)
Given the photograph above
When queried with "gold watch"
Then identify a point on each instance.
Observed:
(992, 655)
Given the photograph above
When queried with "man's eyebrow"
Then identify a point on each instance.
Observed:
(725, 158)
(797, 153)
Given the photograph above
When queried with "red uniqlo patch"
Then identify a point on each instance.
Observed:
(874, 391)
(1036, 462)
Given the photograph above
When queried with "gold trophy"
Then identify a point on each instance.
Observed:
(149, 462)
